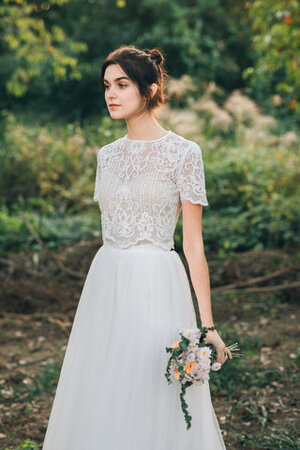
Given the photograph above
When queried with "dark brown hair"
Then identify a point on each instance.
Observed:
(143, 67)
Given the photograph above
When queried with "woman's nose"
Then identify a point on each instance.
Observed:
(111, 93)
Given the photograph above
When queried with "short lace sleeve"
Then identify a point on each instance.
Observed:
(191, 177)
(98, 172)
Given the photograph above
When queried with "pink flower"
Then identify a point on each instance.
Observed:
(190, 357)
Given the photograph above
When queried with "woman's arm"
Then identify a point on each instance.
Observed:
(193, 249)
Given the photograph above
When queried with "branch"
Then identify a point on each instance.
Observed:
(278, 287)
(255, 280)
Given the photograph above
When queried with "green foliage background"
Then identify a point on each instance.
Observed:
(234, 88)
(54, 118)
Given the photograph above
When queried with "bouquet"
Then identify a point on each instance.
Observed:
(191, 362)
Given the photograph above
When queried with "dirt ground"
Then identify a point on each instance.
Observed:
(255, 301)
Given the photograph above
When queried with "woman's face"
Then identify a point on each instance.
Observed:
(121, 91)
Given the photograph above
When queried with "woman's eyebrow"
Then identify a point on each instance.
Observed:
(117, 79)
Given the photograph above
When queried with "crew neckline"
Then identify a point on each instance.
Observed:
(148, 140)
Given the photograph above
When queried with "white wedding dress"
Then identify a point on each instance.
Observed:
(112, 393)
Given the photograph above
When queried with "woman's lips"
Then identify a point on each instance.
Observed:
(114, 106)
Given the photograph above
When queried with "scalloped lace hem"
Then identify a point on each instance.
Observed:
(116, 243)
(195, 202)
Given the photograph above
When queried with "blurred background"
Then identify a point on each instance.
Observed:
(234, 88)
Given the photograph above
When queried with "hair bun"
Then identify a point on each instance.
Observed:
(155, 55)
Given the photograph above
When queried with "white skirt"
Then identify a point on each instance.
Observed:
(112, 392)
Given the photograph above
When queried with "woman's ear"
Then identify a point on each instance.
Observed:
(153, 88)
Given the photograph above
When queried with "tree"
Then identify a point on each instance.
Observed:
(52, 50)
(30, 48)
(276, 41)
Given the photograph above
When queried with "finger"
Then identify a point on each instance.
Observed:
(228, 352)
(222, 355)
(225, 355)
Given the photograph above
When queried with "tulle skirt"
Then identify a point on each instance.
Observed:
(112, 392)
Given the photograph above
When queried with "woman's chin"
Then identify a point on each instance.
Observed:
(116, 115)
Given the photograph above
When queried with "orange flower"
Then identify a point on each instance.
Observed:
(50, 48)
(176, 373)
(175, 345)
(189, 367)
(292, 103)
(288, 19)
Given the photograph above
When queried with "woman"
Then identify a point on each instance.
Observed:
(112, 393)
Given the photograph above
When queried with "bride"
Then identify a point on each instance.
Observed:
(112, 393)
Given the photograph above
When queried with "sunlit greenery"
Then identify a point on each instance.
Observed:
(251, 177)
(276, 37)
(34, 46)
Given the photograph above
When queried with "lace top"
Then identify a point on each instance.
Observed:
(140, 186)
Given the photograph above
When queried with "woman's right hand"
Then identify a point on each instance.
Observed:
(213, 337)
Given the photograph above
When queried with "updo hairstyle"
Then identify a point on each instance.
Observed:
(143, 67)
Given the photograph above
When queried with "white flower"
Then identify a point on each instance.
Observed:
(204, 353)
(204, 364)
(197, 370)
(192, 348)
(193, 334)
(196, 374)
(198, 353)
(216, 366)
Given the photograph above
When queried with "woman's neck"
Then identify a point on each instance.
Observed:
(144, 127)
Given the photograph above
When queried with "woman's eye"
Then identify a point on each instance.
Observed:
(121, 85)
